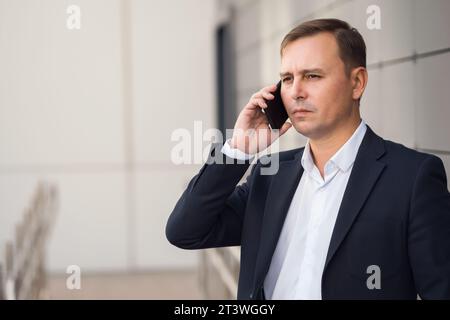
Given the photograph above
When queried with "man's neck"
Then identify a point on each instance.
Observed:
(325, 147)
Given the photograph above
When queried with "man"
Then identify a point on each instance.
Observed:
(349, 216)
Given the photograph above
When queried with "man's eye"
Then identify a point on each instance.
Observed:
(312, 76)
(285, 79)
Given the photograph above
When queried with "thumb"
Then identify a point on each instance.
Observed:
(286, 126)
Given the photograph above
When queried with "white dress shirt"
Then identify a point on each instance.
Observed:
(298, 261)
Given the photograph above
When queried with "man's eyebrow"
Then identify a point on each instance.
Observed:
(315, 70)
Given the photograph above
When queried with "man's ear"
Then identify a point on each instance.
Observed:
(359, 79)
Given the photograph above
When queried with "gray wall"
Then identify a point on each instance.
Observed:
(92, 110)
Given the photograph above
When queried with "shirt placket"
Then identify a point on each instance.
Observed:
(306, 274)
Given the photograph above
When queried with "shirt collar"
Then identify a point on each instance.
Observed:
(344, 157)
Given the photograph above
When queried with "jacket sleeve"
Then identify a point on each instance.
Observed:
(210, 211)
(429, 231)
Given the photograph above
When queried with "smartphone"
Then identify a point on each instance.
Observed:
(276, 112)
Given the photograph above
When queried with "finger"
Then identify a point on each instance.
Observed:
(256, 95)
(267, 95)
(260, 102)
(270, 88)
(253, 104)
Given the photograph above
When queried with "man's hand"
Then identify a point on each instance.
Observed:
(252, 133)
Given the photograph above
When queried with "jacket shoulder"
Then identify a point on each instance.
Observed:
(286, 155)
(399, 152)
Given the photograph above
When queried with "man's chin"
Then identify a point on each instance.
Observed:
(304, 128)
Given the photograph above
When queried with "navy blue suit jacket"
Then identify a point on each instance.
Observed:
(395, 214)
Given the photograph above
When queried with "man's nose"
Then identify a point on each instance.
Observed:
(297, 90)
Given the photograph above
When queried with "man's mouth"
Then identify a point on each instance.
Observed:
(301, 112)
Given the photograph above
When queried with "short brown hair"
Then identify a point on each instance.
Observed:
(352, 48)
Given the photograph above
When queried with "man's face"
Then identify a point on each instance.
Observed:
(314, 78)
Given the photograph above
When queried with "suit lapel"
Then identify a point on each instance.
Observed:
(363, 177)
(365, 173)
(279, 197)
